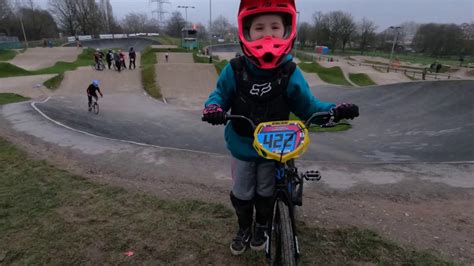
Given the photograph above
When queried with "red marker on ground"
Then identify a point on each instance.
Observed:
(129, 253)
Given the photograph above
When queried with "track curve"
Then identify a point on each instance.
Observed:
(410, 122)
(138, 44)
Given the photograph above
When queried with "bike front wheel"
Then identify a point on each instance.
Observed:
(283, 251)
(95, 108)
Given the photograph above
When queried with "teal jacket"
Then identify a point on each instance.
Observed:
(302, 103)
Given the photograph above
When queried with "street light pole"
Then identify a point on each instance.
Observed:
(186, 11)
(395, 40)
(297, 31)
(210, 32)
(23, 29)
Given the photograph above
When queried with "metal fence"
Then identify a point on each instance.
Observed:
(409, 72)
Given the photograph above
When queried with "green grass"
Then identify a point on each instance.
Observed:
(84, 59)
(341, 126)
(332, 75)
(54, 82)
(167, 40)
(199, 59)
(304, 57)
(148, 73)
(9, 70)
(148, 57)
(220, 66)
(49, 216)
(6, 55)
(6, 98)
(361, 79)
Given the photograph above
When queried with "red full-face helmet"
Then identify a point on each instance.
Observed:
(267, 52)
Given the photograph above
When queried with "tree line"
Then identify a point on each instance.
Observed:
(337, 29)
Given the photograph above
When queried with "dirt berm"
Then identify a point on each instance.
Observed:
(183, 82)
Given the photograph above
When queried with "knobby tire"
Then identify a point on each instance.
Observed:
(95, 108)
(283, 245)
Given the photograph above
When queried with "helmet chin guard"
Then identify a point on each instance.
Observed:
(267, 52)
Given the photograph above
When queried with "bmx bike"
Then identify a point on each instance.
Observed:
(283, 142)
(94, 106)
(99, 66)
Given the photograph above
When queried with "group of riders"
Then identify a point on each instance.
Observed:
(115, 59)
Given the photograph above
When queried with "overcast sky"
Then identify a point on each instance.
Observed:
(384, 13)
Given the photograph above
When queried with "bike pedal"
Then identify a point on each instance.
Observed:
(312, 175)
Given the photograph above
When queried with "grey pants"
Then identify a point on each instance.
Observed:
(252, 179)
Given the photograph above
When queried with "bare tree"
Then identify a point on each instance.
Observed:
(109, 21)
(6, 17)
(135, 22)
(221, 25)
(5, 11)
(347, 28)
(320, 34)
(88, 17)
(66, 14)
(304, 32)
(439, 39)
(366, 30)
(78, 16)
(175, 24)
(202, 32)
(332, 23)
(38, 23)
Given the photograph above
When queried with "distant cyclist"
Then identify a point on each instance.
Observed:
(122, 59)
(92, 92)
(117, 62)
(109, 58)
(133, 56)
(98, 56)
(167, 55)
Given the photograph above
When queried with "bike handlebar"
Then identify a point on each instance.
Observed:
(322, 118)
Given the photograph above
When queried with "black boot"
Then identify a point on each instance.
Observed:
(244, 211)
(263, 210)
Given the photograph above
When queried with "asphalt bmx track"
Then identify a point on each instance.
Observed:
(411, 122)
(124, 43)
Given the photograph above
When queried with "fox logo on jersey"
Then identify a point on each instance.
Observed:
(261, 89)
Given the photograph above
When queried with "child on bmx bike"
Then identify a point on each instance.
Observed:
(264, 85)
(92, 92)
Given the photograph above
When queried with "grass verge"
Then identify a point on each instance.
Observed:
(6, 54)
(84, 59)
(49, 216)
(9, 70)
(361, 79)
(148, 73)
(200, 59)
(11, 98)
(332, 75)
(167, 40)
(220, 66)
(54, 82)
